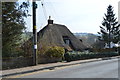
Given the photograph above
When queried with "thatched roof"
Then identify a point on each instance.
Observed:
(53, 34)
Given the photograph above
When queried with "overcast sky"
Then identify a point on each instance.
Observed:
(77, 15)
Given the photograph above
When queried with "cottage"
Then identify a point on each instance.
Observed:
(57, 35)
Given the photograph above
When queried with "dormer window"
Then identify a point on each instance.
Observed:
(66, 39)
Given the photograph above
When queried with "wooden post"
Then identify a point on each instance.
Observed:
(34, 34)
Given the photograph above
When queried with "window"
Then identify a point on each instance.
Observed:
(66, 40)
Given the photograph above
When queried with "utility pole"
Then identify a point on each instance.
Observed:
(34, 34)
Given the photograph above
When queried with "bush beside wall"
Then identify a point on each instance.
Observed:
(51, 54)
(55, 51)
(71, 56)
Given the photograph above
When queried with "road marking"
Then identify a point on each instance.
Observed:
(47, 70)
(58, 68)
(21, 75)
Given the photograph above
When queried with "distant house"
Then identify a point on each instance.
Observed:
(57, 35)
(112, 45)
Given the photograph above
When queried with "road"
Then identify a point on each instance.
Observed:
(99, 69)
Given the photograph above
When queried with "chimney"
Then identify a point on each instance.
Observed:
(50, 21)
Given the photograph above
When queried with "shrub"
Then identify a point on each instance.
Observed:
(67, 57)
(119, 50)
(55, 51)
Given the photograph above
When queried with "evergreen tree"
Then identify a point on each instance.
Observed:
(13, 25)
(110, 29)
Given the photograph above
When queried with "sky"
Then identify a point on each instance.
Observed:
(80, 16)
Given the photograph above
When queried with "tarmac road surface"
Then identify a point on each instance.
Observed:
(99, 69)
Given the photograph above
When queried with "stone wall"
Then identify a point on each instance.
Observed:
(48, 60)
(19, 62)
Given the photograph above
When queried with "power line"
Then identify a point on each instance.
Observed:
(55, 15)
(44, 9)
(51, 11)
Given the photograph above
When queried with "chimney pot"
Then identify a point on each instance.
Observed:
(50, 21)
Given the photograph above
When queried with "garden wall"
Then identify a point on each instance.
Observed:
(18, 62)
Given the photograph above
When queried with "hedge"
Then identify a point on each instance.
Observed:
(72, 56)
